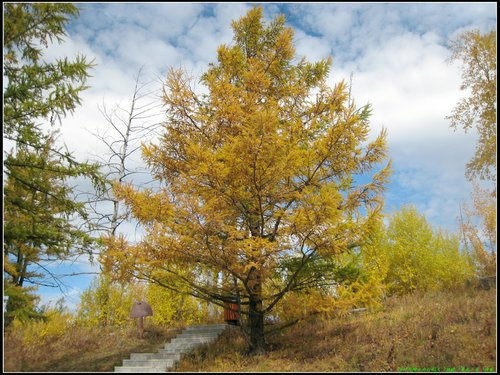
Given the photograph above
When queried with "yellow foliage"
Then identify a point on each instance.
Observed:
(414, 256)
(150, 206)
(120, 258)
(360, 294)
(478, 53)
(9, 267)
(256, 171)
(108, 303)
(55, 325)
(296, 306)
(172, 308)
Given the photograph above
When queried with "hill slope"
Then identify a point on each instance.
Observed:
(432, 331)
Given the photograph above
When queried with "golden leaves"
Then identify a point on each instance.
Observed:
(477, 52)
(259, 167)
(146, 206)
(119, 259)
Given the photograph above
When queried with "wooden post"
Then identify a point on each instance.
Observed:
(141, 327)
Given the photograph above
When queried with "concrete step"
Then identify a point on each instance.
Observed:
(199, 334)
(135, 369)
(173, 350)
(183, 347)
(166, 358)
(159, 363)
(185, 344)
(209, 328)
(183, 340)
(141, 356)
(167, 355)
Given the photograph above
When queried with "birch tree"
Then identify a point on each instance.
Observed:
(478, 54)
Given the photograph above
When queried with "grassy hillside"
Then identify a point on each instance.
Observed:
(80, 349)
(421, 331)
(433, 331)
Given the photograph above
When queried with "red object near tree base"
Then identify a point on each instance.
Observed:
(231, 315)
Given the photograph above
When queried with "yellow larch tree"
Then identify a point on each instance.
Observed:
(260, 169)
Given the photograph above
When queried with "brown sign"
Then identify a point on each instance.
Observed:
(141, 309)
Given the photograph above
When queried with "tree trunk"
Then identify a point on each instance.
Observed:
(256, 315)
(257, 342)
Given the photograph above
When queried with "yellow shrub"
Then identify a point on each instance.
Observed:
(55, 325)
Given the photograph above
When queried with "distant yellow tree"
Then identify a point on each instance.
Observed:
(171, 308)
(478, 53)
(421, 258)
(259, 170)
(106, 303)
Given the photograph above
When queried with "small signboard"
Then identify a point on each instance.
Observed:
(141, 310)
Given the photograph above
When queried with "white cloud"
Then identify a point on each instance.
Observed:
(412, 89)
(354, 28)
(311, 47)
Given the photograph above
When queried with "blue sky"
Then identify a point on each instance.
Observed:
(396, 52)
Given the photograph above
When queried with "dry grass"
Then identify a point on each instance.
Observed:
(434, 331)
(81, 349)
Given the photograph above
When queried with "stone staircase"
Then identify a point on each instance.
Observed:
(165, 359)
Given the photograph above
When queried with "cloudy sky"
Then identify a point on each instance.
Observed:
(396, 54)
